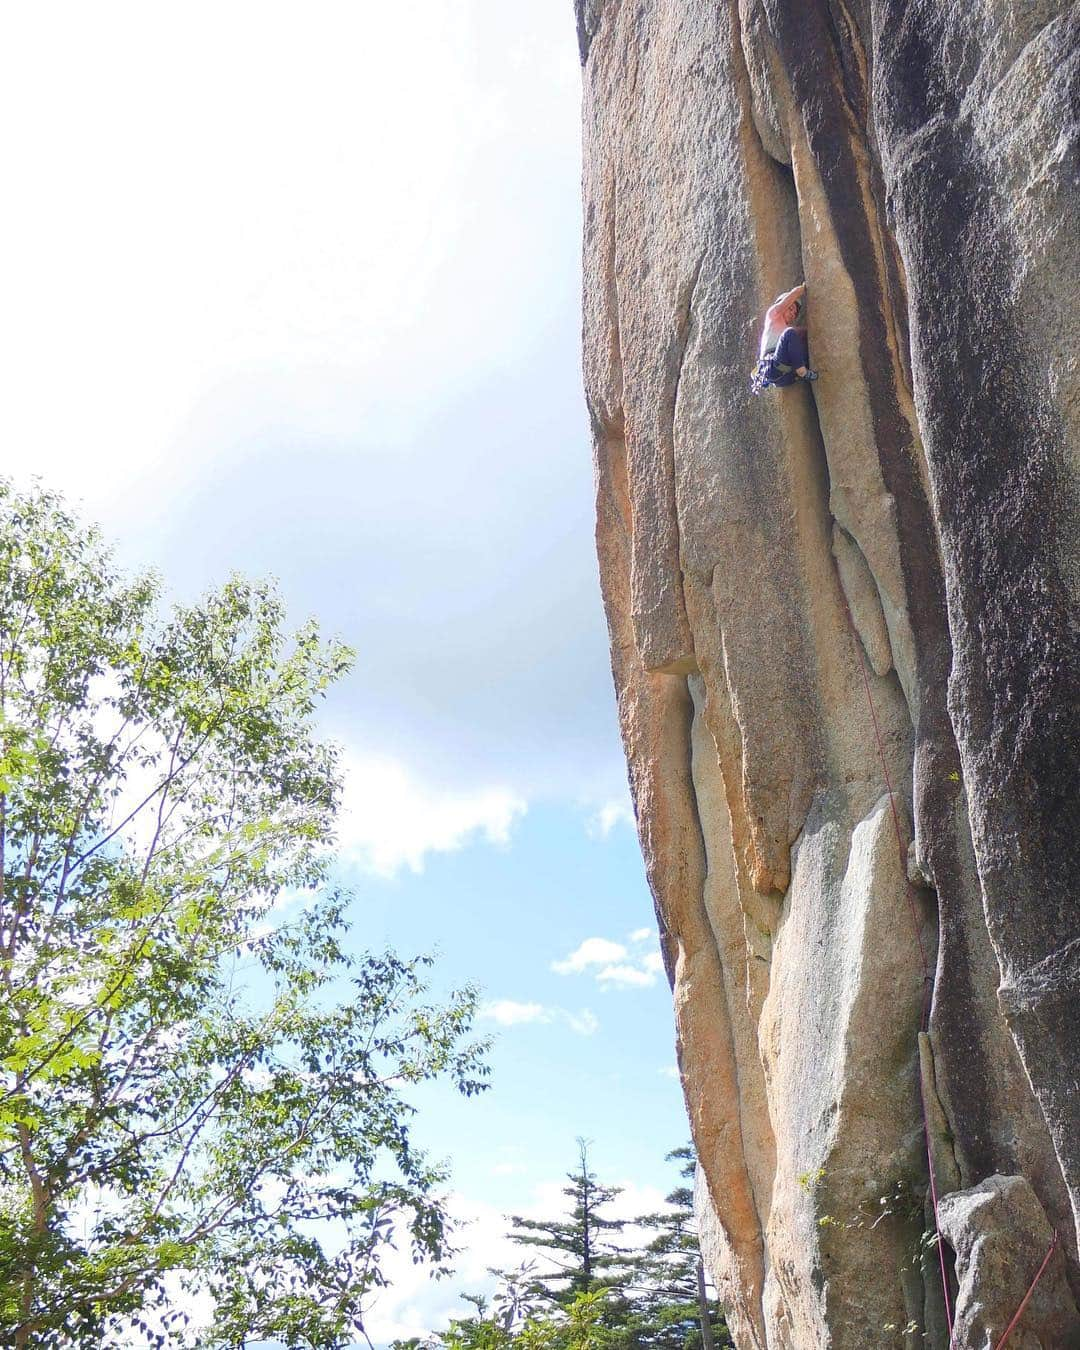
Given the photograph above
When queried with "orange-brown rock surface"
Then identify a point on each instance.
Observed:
(907, 528)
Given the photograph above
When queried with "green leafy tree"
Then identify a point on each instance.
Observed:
(192, 1092)
(579, 1324)
(517, 1298)
(484, 1331)
(498, 1321)
(578, 1247)
(583, 1325)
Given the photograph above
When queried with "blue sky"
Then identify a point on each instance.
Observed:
(294, 290)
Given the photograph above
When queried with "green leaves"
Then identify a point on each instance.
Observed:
(189, 1087)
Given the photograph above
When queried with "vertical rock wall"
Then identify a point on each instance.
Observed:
(908, 527)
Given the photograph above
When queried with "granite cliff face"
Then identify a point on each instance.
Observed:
(913, 516)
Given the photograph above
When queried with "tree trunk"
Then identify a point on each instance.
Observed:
(707, 1342)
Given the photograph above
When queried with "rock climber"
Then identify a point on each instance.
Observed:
(784, 355)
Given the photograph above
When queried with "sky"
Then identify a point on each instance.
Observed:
(293, 290)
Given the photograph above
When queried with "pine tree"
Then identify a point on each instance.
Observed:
(667, 1282)
(608, 1297)
(578, 1246)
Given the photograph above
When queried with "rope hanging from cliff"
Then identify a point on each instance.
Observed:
(925, 1022)
(927, 982)
(1027, 1297)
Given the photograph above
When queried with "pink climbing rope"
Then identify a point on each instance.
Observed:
(1027, 1297)
(925, 1022)
(926, 1015)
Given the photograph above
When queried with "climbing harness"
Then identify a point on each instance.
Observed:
(763, 374)
(768, 368)
(925, 1020)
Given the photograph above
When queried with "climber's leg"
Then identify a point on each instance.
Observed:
(783, 359)
(792, 351)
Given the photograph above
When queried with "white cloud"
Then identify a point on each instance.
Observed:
(669, 1071)
(414, 1303)
(628, 977)
(507, 1012)
(277, 296)
(513, 1161)
(635, 1200)
(390, 819)
(585, 1023)
(289, 897)
(611, 964)
(593, 951)
(617, 811)
(269, 230)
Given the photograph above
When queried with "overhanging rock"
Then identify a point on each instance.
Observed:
(916, 164)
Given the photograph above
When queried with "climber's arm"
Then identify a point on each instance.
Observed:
(780, 304)
(785, 309)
